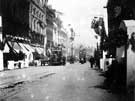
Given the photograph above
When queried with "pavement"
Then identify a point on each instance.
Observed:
(11, 77)
(73, 82)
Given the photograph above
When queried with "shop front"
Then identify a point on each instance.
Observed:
(17, 54)
(38, 54)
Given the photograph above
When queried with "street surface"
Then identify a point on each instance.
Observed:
(73, 82)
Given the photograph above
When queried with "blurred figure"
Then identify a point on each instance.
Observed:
(92, 61)
(72, 59)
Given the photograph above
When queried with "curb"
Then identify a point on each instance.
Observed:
(11, 82)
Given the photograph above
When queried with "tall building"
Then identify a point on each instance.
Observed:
(25, 19)
(37, 21)
(50, 16)
(62, 37)
(71, 36)
(63, 40)
(23, 26)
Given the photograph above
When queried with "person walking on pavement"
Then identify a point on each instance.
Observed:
(92, 61)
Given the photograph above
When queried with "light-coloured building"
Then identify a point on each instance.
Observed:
(63, 40)
(62, 37)
(55, 34)
(70, 41)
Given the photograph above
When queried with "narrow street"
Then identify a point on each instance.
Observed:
(74, 82)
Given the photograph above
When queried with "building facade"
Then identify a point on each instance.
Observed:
(120, 12)
(63, 40)
(37, 21)
(62, 37)
(23, 28)
(50, 16)
(25, 19)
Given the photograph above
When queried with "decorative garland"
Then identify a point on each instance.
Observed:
(116, 38)
(132, 41)
(1, 45)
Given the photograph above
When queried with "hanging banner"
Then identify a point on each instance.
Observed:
(1, 53)
(0, 27)
(0, 21)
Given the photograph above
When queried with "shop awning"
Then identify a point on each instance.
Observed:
(16, 47)
(27, 46)
(23, 48)
(42, 50)
(39, 50)
(6, 49)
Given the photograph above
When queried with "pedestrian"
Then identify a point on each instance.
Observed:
(92, 61)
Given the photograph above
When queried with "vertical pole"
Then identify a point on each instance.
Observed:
(58, 36)
(125, 67)
(45, 40)
(45, 36)
(72, 49)
(1, 52)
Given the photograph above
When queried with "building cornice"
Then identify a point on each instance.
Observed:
(38, 5)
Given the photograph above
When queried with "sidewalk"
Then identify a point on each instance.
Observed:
(11, 77)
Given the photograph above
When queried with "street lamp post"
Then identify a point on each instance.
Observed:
(45, 37)
(72, 49)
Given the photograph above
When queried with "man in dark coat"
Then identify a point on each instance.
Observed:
(92, 61)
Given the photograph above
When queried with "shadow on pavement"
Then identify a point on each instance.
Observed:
(47, 75)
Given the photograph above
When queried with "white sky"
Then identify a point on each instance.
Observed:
(79, 13)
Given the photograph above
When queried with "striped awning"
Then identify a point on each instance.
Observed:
(16, 47)
(29, 47)
(39, 50)
(6, 49)
(23, 48)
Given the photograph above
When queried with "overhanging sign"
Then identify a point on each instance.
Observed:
(0, 28)
(0, 21)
